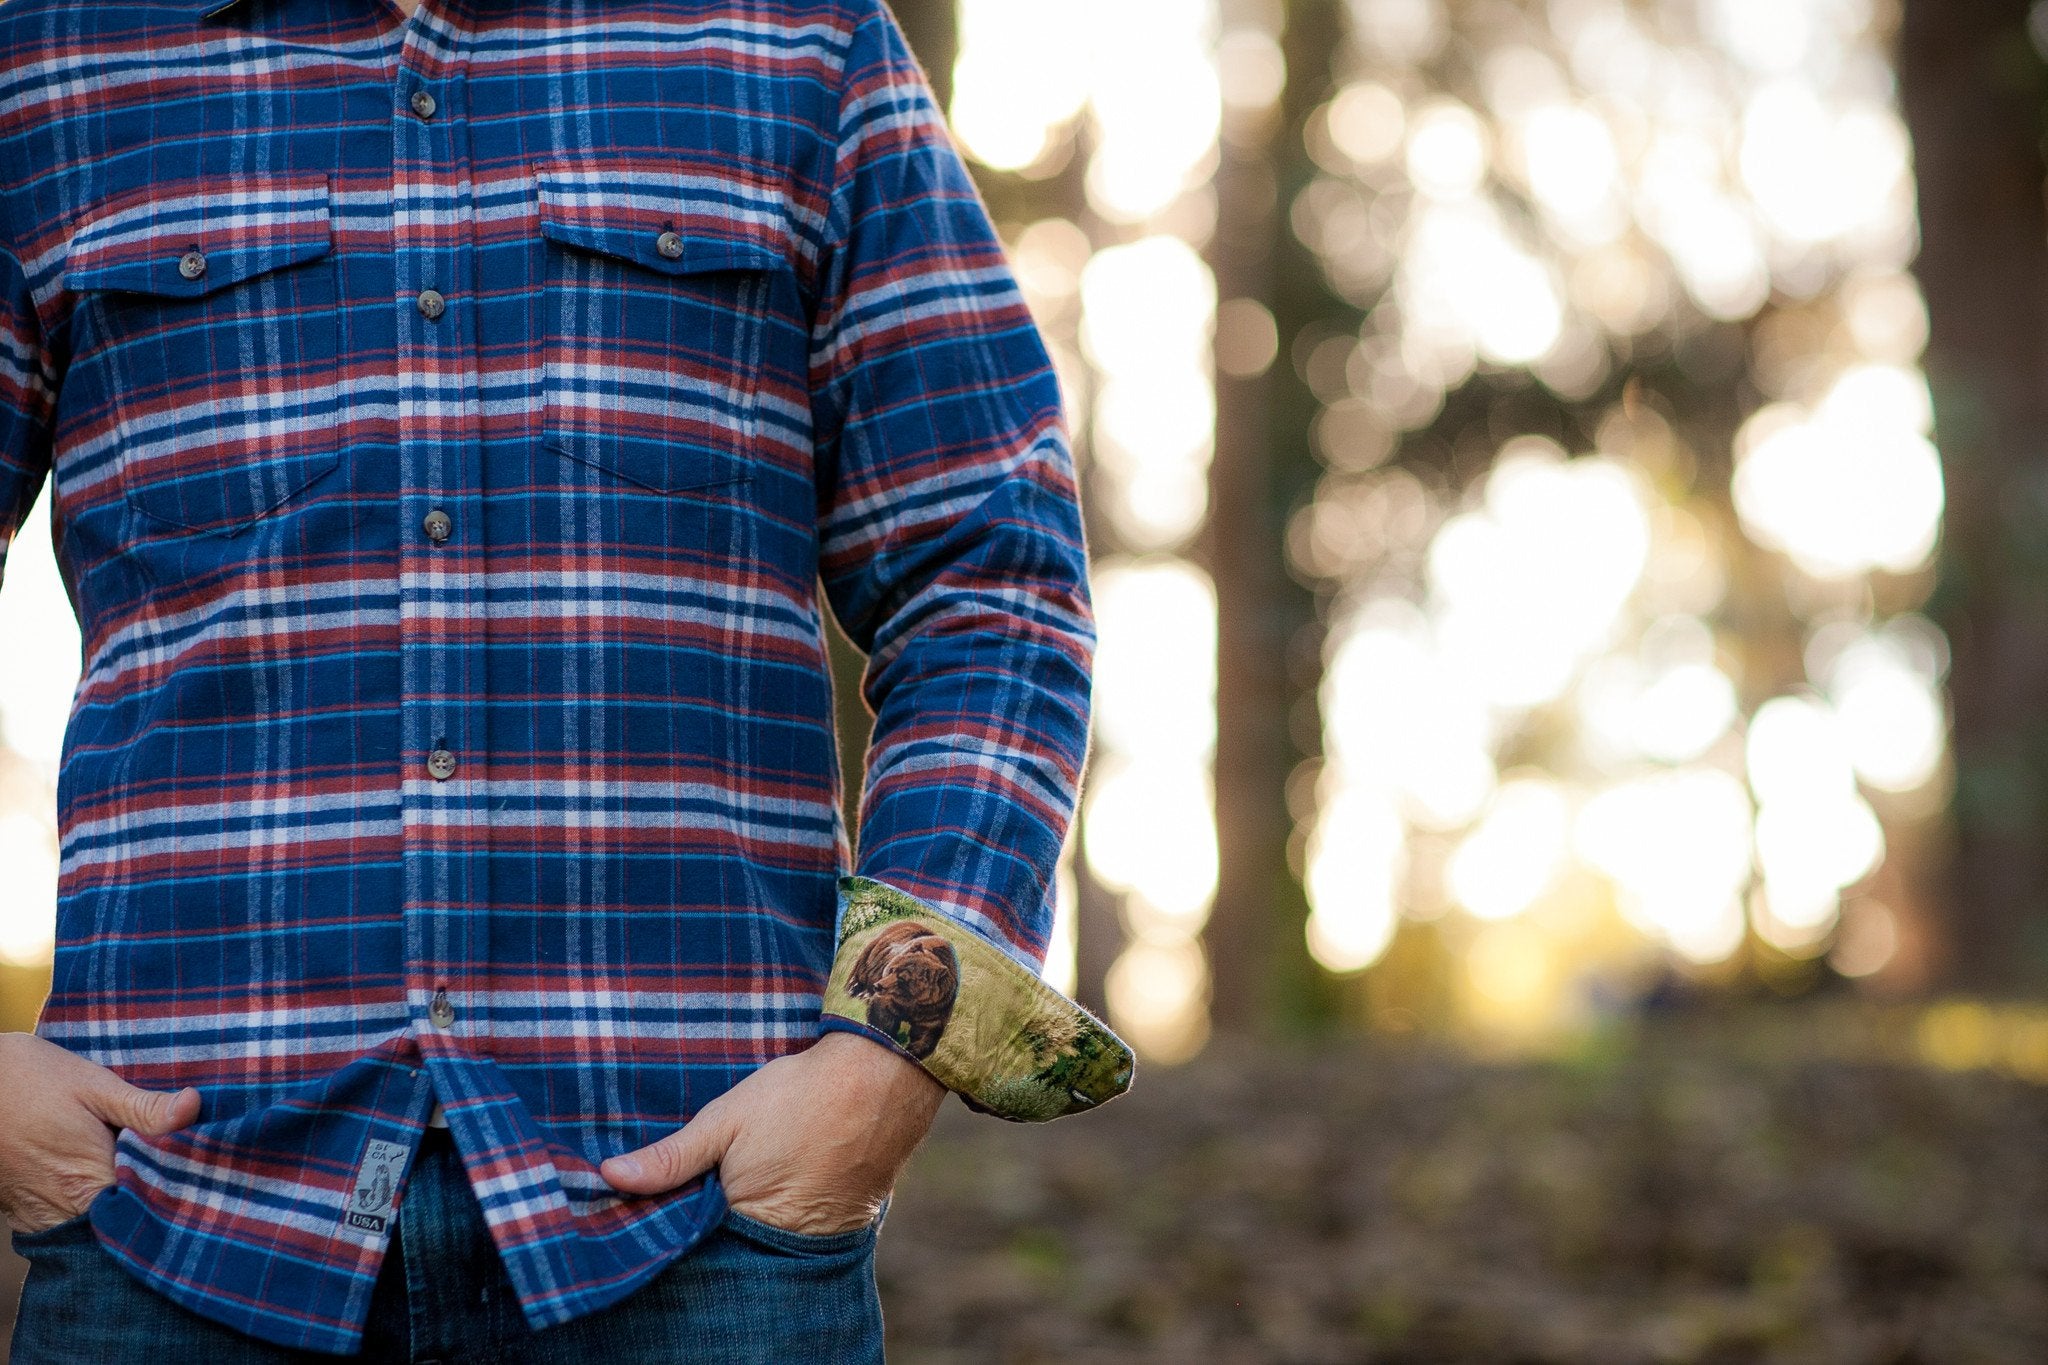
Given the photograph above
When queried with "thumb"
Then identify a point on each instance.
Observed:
(146, 1111)
(689, 1151)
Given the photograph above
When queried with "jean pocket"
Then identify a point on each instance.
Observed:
(77, 1227)
(802, 1243)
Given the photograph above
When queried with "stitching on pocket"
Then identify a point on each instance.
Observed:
(801, 1243)
(57, 1232)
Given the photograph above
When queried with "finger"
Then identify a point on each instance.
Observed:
(154, 1112)
(691, 1150)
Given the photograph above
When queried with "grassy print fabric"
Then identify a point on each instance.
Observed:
(973, 1016)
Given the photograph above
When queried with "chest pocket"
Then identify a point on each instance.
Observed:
(208, 334)
(656, 308)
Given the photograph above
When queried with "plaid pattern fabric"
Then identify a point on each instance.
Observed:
(451, 424)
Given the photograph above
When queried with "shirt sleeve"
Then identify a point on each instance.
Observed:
(951, 551)
(27, 399)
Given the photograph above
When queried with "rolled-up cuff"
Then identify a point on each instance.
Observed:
(986, 1026)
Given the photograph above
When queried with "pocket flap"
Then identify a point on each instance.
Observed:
(624, 215)
(241, 225)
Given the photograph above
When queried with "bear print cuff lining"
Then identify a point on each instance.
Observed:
(976, 1018)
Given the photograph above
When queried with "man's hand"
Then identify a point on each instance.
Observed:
(57, 1144)
(811, 1142)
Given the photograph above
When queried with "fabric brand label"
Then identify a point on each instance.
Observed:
(369, 1206)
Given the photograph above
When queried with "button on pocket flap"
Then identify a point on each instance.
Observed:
(214, 233)
(666, 225)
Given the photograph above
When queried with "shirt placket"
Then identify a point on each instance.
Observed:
(441, 588)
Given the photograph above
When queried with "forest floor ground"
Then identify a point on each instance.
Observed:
(1761, 1184)
(1746, 1184)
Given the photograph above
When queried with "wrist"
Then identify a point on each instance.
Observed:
(908, 1085)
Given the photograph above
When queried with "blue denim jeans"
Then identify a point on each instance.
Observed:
(748, 1292)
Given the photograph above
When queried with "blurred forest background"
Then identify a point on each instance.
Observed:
(1568, 486)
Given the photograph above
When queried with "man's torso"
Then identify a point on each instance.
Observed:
(434, 481)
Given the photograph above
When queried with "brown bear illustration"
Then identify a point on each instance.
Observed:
(910, 978)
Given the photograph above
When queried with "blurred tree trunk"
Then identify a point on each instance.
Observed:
(933, 28)
(1972, 91)
(1260, 971)
(1241, 549)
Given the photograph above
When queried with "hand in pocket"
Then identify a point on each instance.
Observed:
(57, 1145)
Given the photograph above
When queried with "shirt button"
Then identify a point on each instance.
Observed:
(442, 1011)
(423, 104)
(440, 765)
(669, 245)
(192, 265)
(432, 305)
(437, 525)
